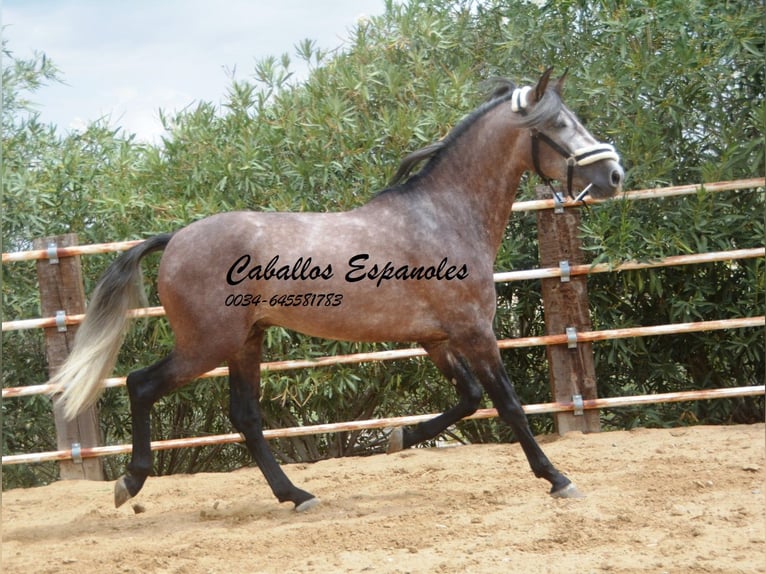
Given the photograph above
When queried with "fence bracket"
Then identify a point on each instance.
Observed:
(53, 253)
(571, 337)
(578, 405)
(76, 453)
(558, 203)
(566, 271)
(61, 321)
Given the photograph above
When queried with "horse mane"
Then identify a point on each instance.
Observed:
(500, 90)
(409, 162)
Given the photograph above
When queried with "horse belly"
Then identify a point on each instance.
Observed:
(360, 322)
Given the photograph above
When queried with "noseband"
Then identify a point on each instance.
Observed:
(580, 157)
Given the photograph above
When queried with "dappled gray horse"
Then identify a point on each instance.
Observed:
(413, 264)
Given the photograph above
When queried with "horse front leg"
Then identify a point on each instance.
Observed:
(485, 361)
(245, 415)
(469, 391)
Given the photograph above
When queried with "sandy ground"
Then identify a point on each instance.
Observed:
(679, 500)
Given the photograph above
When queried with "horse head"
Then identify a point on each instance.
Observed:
(561, 147)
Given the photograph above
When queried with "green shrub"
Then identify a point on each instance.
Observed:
(677, 86)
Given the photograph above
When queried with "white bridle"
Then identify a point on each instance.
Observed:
(579, 157)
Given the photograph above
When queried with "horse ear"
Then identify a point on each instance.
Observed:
(559, 87)
(542, 84)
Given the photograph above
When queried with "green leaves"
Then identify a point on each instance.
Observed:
(677, 86)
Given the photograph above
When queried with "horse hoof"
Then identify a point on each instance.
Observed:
(395, 440)
(569, 491)
(121, 492)
(306, 505)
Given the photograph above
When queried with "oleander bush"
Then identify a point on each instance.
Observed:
(676, 85)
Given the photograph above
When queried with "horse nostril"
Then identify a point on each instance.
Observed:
(616, 177)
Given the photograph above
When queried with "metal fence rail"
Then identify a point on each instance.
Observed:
(570, 339)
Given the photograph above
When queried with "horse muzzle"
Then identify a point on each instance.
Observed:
(600, 180)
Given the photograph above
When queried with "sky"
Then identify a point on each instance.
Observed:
(124, 60)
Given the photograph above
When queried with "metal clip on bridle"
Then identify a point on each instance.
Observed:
(578, 158)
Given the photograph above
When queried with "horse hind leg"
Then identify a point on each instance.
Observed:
(469, 392)
(245, 415)
(146, 387)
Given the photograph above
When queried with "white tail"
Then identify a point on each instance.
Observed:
(101, 334)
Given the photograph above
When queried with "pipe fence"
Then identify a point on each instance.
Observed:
(570, 339)
(390, 422)
(519, 206)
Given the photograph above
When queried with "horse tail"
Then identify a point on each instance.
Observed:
(101, 334)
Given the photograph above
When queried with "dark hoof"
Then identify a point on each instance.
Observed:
(121, 492)
(126, 487)
(306, 505)
(395, 440)
(569, 491)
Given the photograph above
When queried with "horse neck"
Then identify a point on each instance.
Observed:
(476, 181)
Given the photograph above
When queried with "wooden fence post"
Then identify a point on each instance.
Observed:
(565, 300)
(62, 293)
